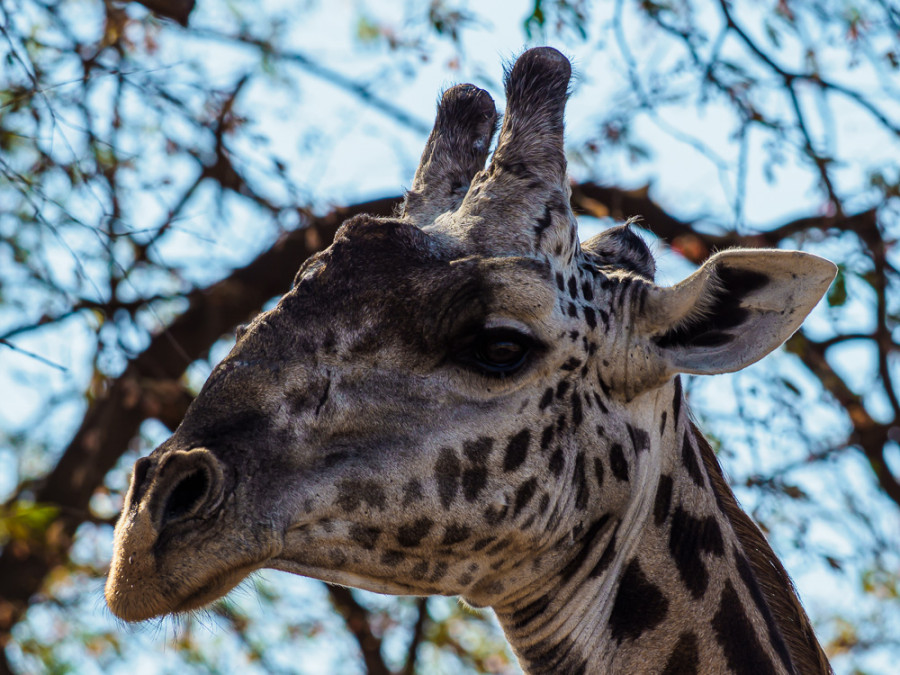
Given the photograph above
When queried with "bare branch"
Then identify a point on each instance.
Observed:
(412, 651)
(357, 618)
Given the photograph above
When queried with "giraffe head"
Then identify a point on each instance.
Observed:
(413, 416)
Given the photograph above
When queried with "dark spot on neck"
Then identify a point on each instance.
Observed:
(738, 639)
(639, 605)
(685, 657)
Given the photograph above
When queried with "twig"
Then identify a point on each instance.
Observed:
(32, 355)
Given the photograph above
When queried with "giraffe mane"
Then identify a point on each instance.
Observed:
(772, 579)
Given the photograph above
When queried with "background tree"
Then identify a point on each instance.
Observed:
(165, 167)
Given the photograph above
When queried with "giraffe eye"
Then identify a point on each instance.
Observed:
(500, 352)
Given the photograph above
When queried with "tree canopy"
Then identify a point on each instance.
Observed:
(166, 166)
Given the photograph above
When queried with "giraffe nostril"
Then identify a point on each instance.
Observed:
(189, 494)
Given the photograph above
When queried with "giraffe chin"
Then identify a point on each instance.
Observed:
(216, 588)
(153, 598)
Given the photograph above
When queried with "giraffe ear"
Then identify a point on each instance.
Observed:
(738, 307)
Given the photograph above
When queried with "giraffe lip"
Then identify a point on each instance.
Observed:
(215, 588)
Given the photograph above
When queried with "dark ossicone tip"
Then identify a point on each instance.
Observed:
(469, 115)
(539, 78)
(456, 150)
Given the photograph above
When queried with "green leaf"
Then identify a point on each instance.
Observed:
(536, 19)
(25, 520)
(837, 294)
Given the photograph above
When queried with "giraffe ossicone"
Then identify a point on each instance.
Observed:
(465, 400)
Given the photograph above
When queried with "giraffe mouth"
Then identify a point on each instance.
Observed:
(215, 588)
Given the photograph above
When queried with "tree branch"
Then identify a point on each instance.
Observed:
(412, 651)
(868, 435)
(357, 618)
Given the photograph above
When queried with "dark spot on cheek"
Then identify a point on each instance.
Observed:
(542, 224)
(493, 515)
(599, 471)
(557, 462)
(516, 450)
(364, 536)
(587, 290)
(419, 570)
(334, 458)
(479, 450)
(561, 424)
(488, 587)
(499, 546)
(447, 471)
(547, 436)
(473, 482)
(544, 503)
(455, 533)
(352, 493)
(546, 399)
(524, 494)
(572, 363)
(600, 403)
(577, 411)
(582, 489)
(323, 399)
(440, 570)
(481, 543)
(412, 492)
(338, 557)
(411, 534)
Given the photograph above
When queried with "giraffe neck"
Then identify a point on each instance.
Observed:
(668, 587)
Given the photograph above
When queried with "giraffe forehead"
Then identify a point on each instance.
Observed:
(397, 278)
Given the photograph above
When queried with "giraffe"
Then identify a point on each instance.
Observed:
(466, 400)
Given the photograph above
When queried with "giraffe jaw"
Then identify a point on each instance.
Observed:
(342, 578)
